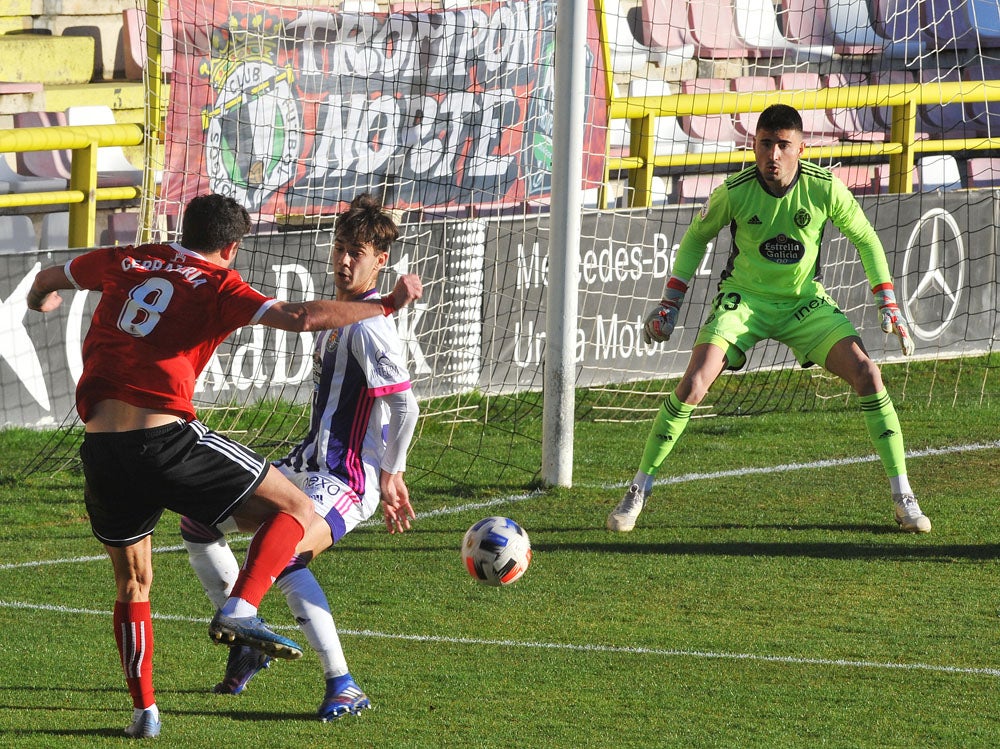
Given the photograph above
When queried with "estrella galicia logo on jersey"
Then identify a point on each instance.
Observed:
(755, 220)
(782, 250)
(802, 218)
(252, 131)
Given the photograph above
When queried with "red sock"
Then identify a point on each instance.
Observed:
(134, 635)
(271, 548)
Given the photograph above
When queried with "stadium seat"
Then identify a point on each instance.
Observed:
(112, 165)
(983, 171)
(817, 129)
(670, 137)
(900, 21)
(757, 27)
(123, 228)
(746, 122)
(948, 119)
(19, 183)
(712, 28)
(113, 169)
(48, 164)
(134, 42)
(628, 54)
(857, 177)
(695, 188)
(663, 27)
(853, 123)
(811, 22)
(53, 233)
(984, 115)
(660, 191)
(883, 115)
(17, 234)
(619, 130)
(709, 133)
(948, 24)
(804, 21)
(850, 23)
(880, 178)
(16, 95)
(618, 134)
(984, 17)
(938, 171)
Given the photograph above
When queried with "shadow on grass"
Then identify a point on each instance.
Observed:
(813, 550)
(13, 735)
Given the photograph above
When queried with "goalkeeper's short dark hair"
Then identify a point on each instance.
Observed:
(365, 222)
(780, 117)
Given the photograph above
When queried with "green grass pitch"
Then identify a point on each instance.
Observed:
(765, 599)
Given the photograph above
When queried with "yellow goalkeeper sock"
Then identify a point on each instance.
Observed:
(667, 427)
(886, 434)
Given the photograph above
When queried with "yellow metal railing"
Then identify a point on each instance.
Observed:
(900, 147)
(83, 193)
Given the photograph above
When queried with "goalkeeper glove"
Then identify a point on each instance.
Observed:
(661, 321)
(892, 318)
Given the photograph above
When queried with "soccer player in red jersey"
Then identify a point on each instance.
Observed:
(164, 309)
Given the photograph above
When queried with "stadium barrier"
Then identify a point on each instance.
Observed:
(462, 324)
(83, 193)
(901, 147)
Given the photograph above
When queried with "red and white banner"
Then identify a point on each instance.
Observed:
(294, 112)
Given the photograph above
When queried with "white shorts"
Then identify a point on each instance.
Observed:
(334, 501)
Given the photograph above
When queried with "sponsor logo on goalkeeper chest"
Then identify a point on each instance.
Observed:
(783, 250)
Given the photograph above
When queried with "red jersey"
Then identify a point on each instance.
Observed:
(163, 311)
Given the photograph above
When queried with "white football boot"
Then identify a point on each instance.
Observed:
(908, 514)
(623, 517)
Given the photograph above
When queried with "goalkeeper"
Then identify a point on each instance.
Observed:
(771, 288)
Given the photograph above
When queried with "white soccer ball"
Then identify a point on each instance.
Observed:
(496, 551)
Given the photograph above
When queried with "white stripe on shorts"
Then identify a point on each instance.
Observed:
(236, 452)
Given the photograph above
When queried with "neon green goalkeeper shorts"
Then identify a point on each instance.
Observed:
(809, 325)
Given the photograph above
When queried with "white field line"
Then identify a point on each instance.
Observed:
(586, 648)
(589, 647)
(926, 453)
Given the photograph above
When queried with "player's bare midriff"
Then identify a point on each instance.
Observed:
(117, 416)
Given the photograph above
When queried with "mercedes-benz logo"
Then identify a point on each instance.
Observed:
(933, 274)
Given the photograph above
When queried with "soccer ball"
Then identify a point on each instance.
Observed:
(496, 551)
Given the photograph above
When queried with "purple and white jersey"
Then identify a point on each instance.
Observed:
(352, 367)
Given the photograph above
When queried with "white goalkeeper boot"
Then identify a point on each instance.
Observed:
(908, 514)
(623, 517)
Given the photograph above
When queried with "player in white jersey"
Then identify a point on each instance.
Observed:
(353, 458)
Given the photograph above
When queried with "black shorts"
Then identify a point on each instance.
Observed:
(131, 477)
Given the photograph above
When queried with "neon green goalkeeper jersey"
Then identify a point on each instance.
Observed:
(777, 240)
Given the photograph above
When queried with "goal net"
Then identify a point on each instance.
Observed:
(444, 111)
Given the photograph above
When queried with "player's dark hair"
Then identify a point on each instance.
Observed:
(213, 221)
(364, 222)
(780, 117)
